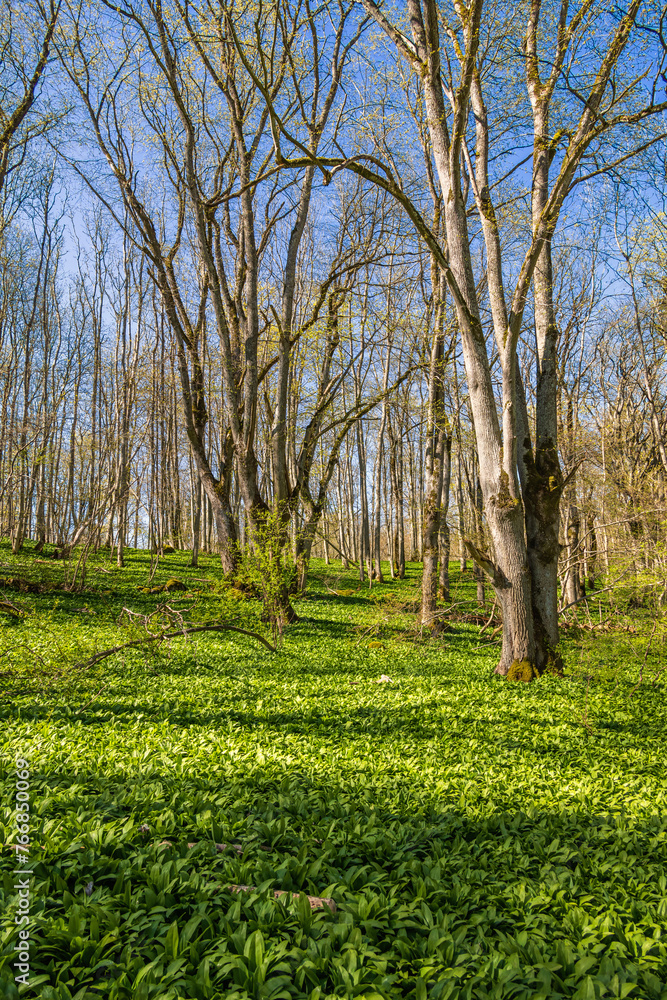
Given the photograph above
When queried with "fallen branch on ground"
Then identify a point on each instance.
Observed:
(11, 609)
(170, 635)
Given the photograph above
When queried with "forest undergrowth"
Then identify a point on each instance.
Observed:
(475, 838)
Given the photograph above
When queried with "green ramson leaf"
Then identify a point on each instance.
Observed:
(476, 839)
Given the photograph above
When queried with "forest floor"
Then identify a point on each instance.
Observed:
(478, 838)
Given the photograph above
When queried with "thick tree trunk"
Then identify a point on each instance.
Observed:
(541, 484)
(225, 527)
(40, 508)
(543, 479)
(416, 516)
(349, 495)
(543, 548)
(510, 575)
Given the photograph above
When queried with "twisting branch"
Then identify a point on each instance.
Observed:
(170, 635)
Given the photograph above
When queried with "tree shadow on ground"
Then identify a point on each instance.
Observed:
(555, 897)
(282, 714)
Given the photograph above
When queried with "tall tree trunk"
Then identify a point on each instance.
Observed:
(591, 552)
(435, 448)
(541, 474)
(400, 513)
(436, 435)
(573, 534)
(479, 525)
(396, 500)
(196, 516)
(444, 539)
(364, 530)
(377, 495)
(379, 463)
(444, 592)
(463, 562)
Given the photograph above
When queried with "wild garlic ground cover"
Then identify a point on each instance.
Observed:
(479, 838)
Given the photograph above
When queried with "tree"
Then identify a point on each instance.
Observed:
(26, 35)
(521, 483)
(226, 202)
